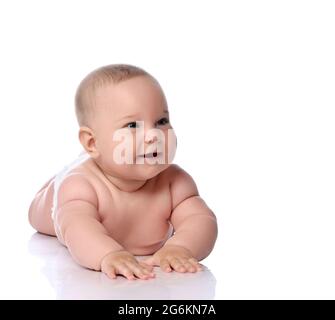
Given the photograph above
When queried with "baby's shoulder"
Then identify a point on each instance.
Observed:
(172, 169)
(77, 186)
(174, 173)
(182, 185)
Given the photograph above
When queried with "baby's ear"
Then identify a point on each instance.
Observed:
(88, 141)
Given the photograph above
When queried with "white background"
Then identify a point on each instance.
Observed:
(250, 87)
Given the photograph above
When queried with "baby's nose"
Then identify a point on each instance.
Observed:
(150, 139)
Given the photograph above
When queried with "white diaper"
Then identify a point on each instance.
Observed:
(61, 176)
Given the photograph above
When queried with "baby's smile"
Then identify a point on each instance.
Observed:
(151, 155)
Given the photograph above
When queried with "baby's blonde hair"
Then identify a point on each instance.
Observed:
(85, 94)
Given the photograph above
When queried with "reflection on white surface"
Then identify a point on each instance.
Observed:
(71, 281)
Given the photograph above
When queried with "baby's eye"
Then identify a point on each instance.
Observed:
(131, 125)
(163, 121)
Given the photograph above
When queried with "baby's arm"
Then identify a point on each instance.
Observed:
(78, 227)
(194, 223)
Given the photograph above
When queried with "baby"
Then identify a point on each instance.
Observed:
(123, 197)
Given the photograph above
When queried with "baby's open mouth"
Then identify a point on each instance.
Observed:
(150, 155)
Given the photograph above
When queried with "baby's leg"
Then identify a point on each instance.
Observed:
(40, 210)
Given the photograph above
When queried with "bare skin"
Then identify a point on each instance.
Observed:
(107, 213)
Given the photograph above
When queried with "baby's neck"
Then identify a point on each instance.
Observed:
(119, 183)
(125, 185)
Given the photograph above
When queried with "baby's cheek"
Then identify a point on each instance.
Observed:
(123, 152)
(170, 145)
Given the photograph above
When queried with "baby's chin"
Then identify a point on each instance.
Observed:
(148, 171)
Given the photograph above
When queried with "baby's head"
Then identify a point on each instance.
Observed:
(124, 122)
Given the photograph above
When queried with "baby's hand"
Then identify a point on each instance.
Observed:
(174, 257)
(124, 263)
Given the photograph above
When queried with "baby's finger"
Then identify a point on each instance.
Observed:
(177, 265)
(124, 270)
(146, 266)
(188, 265)
(111, 272)
(196, 264)
(165, 265)
(139, 271)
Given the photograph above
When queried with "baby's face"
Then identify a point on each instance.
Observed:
(134, 136)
